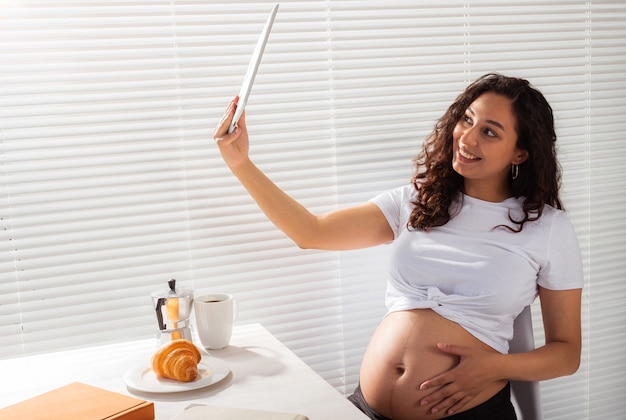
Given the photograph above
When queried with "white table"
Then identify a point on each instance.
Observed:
(265, 375)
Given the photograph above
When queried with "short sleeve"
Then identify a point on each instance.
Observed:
(396, 206)
(563, 269)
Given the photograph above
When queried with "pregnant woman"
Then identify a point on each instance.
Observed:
(478, 233)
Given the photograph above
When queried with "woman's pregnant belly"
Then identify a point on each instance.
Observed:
(403, 353)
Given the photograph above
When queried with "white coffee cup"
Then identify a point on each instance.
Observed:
(215, 314)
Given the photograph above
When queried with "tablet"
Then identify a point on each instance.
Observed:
(246, 87)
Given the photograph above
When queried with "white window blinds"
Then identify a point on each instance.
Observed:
(111, 184)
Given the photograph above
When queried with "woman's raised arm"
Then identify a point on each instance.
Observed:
(350, 228)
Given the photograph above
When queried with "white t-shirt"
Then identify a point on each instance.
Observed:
(471, 272)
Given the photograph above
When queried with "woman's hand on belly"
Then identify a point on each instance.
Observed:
(457, 387)
(403, 355)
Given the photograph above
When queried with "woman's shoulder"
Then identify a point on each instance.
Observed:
(554, 217)
(401, 194)
(548, 216)
(555, 231)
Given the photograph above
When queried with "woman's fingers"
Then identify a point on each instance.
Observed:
(451, 404)
(222, 127)
(458, 406)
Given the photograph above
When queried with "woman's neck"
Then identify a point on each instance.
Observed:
(486, 192)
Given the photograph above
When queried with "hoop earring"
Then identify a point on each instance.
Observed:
(514, 171)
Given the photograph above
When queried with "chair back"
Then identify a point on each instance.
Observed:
(526, 394)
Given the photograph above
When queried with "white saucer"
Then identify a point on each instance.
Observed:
(210, 371)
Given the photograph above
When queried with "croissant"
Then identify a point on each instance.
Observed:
(177, 360)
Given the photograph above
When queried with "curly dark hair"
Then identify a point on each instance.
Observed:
(438, 184)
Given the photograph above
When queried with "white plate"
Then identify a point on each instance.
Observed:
(210, 371)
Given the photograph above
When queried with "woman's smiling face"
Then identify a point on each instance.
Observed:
(485, 147)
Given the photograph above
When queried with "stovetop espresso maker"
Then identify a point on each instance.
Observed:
(173, 311)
